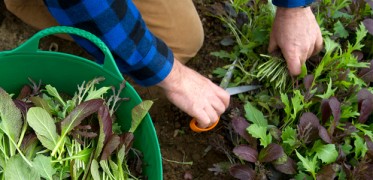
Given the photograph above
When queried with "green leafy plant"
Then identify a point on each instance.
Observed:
(320, 122)
(49, 135)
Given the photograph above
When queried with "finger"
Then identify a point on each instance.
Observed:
(223, 96)
(318, 45)
(272, 47)
(219, 107)
(211, 112)
(293, 62)
(203, 120)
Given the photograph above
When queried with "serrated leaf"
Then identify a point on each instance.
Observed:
(138, 114)
(16, 168)
(307, 164)
(327, 153)
(340, 30)
(254, 115)
(96, 94)
(360, 146)
(261, 133)
(43, 165)
(289, 136)
(43, 125)
(246, 153)
(10, 115)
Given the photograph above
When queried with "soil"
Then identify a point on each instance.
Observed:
(186, 154)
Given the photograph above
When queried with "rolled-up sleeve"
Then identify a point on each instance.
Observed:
(137, 52)
(291, 3)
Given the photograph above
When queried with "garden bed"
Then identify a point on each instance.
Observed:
(188, 154)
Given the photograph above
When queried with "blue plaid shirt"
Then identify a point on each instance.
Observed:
(137, 52)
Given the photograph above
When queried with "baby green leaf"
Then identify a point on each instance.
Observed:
(289, 136)
(255, 116)
(329, 92)
(261, 133)
(340, 30)
(53, 92)
(303, 71)
(16, 168)
(11, 118)
(360, 146)
(308, 165)
(44, 127)
(94, 170)
(95, 94)
(138, 114)
(82, 111)
(43, 165)
(326, 153)
(75, 117)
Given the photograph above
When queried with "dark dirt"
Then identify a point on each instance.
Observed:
(180, 146)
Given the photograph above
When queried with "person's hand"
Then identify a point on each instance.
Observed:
(194, 94)
(296, 33)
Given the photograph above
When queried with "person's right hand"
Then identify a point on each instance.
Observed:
(195, 94)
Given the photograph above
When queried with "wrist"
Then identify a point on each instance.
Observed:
(291, 12)
(173, 78)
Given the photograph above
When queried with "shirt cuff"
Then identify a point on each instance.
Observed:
(291, 3)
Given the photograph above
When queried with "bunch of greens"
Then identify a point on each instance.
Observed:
(46, 134)
(316, 126)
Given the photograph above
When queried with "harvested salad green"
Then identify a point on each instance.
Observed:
(47, 135)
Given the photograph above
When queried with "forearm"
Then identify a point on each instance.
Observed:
(138, 53)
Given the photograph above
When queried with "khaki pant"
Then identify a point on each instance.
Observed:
(176, 22)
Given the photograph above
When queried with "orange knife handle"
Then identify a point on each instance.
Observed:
(195, 128)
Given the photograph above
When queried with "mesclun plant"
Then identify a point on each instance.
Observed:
(45, 134)
(319, 126)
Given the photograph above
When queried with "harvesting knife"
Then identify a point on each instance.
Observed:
(232, 91)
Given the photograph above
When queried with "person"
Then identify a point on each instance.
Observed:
(151, 40)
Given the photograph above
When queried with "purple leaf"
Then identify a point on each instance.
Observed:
(25, 92)
(328, 172)
(110, 146)
(127, 140)
(366, 74)
(80, 112)
(85, 134)
(323, 133)
(240, 125)
(242, 172)
(365, 103)
(285, 165)
(22, 106)
(246, 153)
(105, 118)
(308, 127)
(326, 112)
(307, 81)
(358, 54)
(271, 152)
(368, 23)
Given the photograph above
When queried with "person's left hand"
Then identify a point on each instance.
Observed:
(296, 33)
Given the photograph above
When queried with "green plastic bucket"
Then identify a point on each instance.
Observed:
(66, 72)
